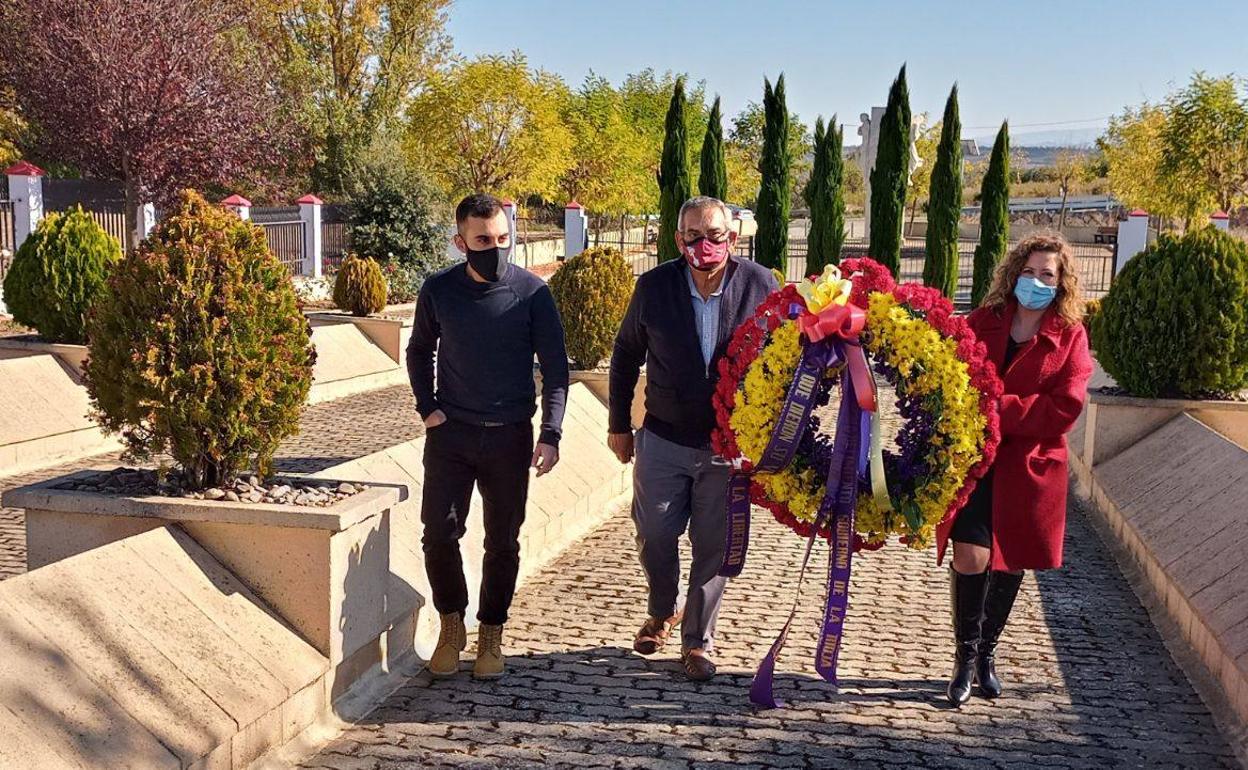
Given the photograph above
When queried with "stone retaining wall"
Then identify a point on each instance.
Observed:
(148, 650)
(1174, 492)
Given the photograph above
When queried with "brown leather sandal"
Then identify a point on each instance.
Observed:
(654, 633)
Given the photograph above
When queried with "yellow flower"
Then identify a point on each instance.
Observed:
(828, 289)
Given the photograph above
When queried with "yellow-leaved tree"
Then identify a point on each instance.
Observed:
(492, 125)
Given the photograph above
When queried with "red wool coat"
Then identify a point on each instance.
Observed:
(1045, 387)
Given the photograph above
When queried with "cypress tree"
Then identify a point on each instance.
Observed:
(826, 199)
(994, 218)
(775, 188)
(888, 178)
(673, 174)
(834, 232)
(815, 194)
(713, 176)
(944, 208)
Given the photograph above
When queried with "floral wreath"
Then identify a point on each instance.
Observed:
(946, 394)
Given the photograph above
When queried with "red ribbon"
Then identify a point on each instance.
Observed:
(846, 322)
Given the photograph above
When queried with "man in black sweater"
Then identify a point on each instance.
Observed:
(678, 324)
(482, 320)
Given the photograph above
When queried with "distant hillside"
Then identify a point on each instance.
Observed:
(1066, 137)
(1039, 157)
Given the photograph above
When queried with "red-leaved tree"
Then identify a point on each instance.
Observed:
(159, 94)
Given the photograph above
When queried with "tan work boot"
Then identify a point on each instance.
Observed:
(451, 641)
(489, 663)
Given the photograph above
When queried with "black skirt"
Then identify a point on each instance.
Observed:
(974, 522)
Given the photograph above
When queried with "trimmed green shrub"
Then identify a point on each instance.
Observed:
(592, 291)
(1091, 309)
(1175, 321)
(58, 272)
(198, 349)
(360, 288)
(396, 216)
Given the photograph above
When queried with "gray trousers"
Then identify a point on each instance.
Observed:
(674, 488)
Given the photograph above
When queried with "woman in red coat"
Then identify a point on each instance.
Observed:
(1031, 321)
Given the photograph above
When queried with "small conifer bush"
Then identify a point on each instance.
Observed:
(360, 288)
(592, 291)
(57, 273)
(197, 346)
(1175, 321)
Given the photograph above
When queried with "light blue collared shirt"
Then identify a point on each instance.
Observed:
(706, 316)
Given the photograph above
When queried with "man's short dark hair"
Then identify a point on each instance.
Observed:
(477, 205)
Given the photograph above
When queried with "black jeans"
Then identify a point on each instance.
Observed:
(497, 460)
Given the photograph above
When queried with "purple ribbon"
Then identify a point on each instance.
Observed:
(840, 496)
(791, 425)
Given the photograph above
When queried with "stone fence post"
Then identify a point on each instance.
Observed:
(313, 253)
(1220, 220)
(1132, 238)
(239, 205)
(575, 230)
(26, 193)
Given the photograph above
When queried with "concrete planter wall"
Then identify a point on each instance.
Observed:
(1113, 423)
(73, 356)
(326, 571)
(1169, 478)
(598, 383)
(385, 333)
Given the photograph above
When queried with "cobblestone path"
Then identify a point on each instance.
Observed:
(1089, 682)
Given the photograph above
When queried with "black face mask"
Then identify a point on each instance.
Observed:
(489, 263)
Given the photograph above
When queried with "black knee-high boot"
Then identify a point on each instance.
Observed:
(967, 595)
(1002, 590)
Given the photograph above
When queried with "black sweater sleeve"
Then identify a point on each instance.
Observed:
(421, 350)
(626, 360)
(552, 358)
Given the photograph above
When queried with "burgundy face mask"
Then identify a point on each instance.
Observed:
(704, 254)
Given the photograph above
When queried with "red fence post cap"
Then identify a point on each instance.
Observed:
(310, 198)
(1220, 215)
(1138, 213)
(573, 205)
(236, 200)
(23, 168)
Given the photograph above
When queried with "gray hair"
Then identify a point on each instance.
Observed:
(699, 203)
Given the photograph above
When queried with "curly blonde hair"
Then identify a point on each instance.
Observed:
(1068, 304)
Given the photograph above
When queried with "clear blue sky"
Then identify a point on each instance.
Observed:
(1034, 62)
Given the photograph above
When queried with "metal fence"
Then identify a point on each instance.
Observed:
(1094, 262)
(335, 236)
(7, 240)
(283, 229)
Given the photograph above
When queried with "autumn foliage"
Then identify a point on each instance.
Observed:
(197, 347)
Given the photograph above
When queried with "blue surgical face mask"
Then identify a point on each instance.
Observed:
(1033, 294)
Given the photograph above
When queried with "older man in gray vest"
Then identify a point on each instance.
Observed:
(678, 324)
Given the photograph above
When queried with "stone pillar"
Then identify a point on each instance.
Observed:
(144, 221)
(509, 208)
(239, 205)
(26, 193)
(1220, 220)
(1132, 238)
(310, 214)
(575, 230)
